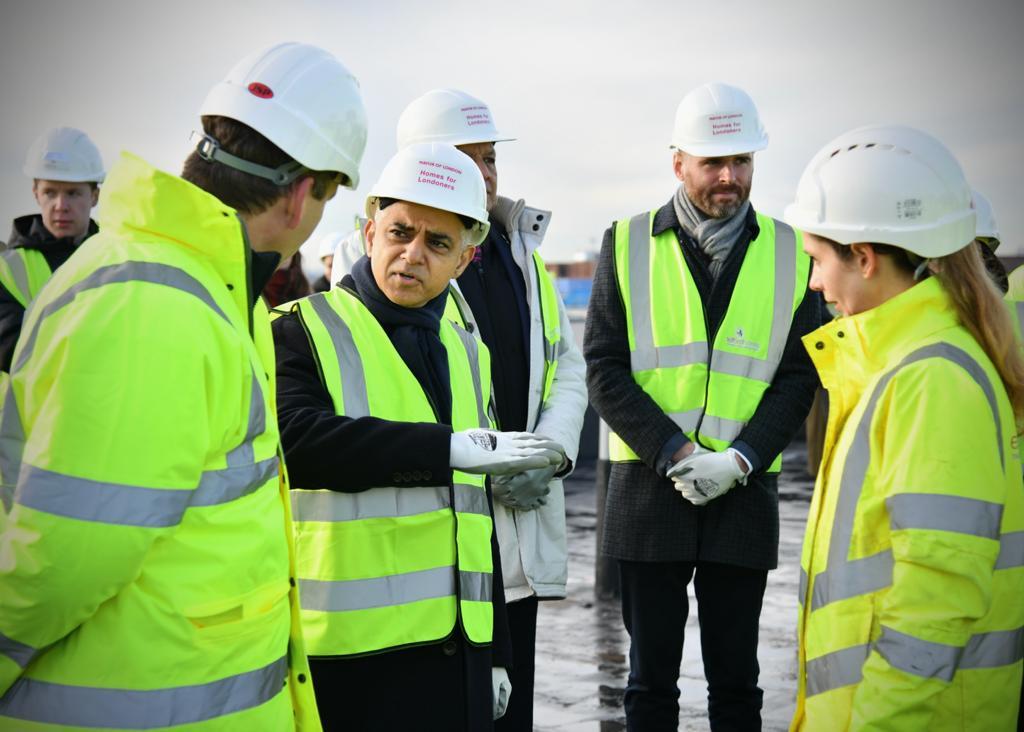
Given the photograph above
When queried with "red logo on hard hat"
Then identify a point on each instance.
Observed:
(261, 90)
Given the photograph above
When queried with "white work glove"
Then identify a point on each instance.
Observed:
(487, 451)
(706, 476)
(501, 690)
(525, 490)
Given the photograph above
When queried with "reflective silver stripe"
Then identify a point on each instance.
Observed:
(643, 353)
(20, 653)
(836, 670)
(350, 365)
(475, 586)
(911, 655)
(803, 586)
(686, 421)
(992, 649)
(944, 513)
(12, 445)
(19, 273)
(151, 272)
(385, 502)
(228, 484)
(733, 364)
(785, 291)
(1019, 305)
(469, 342)
(852, 579)
(127, 505)
(844, 578)
(720, 428)
(666, 357)
(1011, 550)
(84, 706)
(245, 453)
(364, 594)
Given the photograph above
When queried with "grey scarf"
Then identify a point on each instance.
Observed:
(715, 237)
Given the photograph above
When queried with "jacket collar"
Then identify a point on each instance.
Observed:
(29, 232)
(666, 219)
(858, 346)
(516, 217)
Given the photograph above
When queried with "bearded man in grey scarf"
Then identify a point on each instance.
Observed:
(695, 361)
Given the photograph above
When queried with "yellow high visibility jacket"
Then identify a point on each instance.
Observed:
(23, 272)
(709, 389)
(548, 297)
(912, 570)
(392, 566)
(145, 565)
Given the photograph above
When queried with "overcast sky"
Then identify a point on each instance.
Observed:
(588, 88)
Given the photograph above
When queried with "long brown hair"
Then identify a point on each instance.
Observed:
(979, 306)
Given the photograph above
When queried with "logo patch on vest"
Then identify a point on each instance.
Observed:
(739, 341)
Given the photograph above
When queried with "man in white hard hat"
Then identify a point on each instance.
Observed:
(508, 298)
(383, 413)
(66, 170)
(695, 362)
(148, 578)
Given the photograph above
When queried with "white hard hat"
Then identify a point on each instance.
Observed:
(303, 100)
(436, 175)
(325, 247)
(886, 184)
(349, 250)
(65, 154)
(985, 226)
(447, 115)
(717, 119)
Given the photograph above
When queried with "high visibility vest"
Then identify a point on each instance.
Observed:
(23, 272)
(550, 317)
(146, 581)
(709, 392)
(392, 566)
(912, 570)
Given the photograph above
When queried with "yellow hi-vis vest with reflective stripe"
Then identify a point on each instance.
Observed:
(392, 566)
(23, 272)
(710, 393)
(548, 298)
(147, 552)
(912, 569)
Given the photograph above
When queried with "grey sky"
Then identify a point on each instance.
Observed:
(589, 89)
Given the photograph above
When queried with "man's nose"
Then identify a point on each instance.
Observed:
(415, 250)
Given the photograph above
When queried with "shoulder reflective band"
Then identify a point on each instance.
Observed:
(844, 578)
(84, 706)
(353, 382)
(210, 150)
(473, 354)
(90, 500)
(15, 261)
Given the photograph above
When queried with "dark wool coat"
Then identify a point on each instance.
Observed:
(646, 519)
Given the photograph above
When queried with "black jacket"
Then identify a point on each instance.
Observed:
(326, 451)
(28, 232)
(646, 519)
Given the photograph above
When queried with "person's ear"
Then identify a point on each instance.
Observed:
(677, 163)
(95, 195)
(296, 201)
(368, 231)
(464, 259)
(866, 259)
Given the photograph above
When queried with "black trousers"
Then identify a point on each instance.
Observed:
(654, 610)
(522, 625)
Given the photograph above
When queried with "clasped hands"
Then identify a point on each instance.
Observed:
(704, 475)
(522, 463)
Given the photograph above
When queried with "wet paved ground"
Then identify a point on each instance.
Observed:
(582, 648)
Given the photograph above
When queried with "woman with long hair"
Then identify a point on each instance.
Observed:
(912, 572)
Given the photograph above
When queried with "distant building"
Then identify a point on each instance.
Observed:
(574, 279)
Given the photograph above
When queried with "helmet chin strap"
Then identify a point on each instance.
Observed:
(210, 150)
